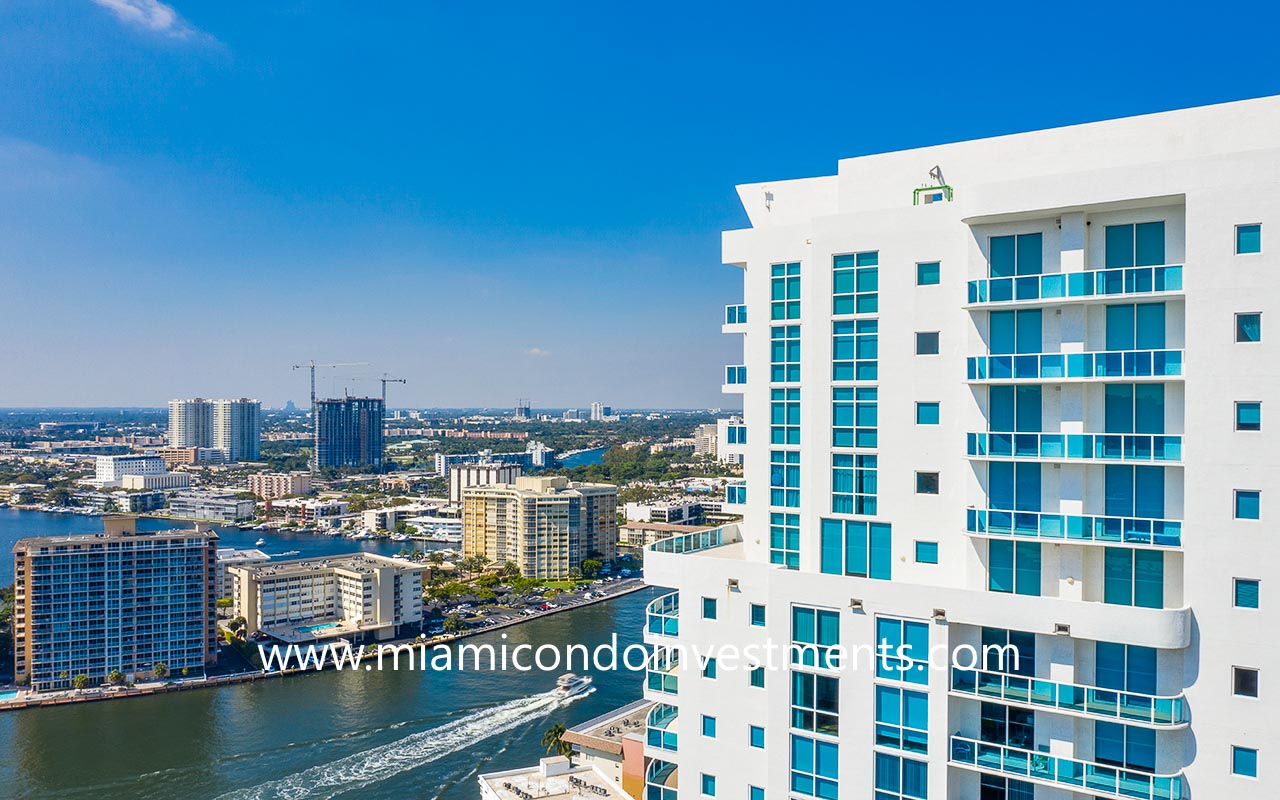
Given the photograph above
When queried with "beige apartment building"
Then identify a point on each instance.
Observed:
(545, 525)
(358, 596)
(274, 485)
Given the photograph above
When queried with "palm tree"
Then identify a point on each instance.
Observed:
(554, 741)
(509, 569)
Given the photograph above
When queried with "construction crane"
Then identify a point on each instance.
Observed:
(312, 366)
(385, 379)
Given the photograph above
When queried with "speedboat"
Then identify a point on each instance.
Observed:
(260, 542)
(569, 685)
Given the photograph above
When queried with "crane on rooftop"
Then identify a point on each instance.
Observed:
(312, 366)
(384, 380)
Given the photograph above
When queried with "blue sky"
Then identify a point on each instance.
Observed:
(493, 200)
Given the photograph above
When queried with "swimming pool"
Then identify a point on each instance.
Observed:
(5, 696)
(317, 628)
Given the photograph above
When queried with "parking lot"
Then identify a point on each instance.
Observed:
(508, 608)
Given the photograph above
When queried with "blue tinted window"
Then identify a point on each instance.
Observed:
(1244, 761)
(927, 413)
(755, 736)
(708, 608)
(1017, 255)
(708, 726)
(1248, 416)
(1246, 593)
(709, 669)
(1248, 239)
(1248, 504)
(756, 793)
(1248, 327)
(927, 552)
(1013, 567)
(756, 677)
(757, 614)
(709, 785)
(927, 343)
(928, 273)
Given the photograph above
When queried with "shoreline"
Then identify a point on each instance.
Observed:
(187, 684)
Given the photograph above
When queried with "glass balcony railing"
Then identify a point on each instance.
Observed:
(663, 615)
(662, 673)
(735, 375)
(1076, 446)
(1058, 366)
(660, 730)
(735, 315)
(1105, 703)
(1075, 285)
(660, 780)
(698, 540)
(1085, 775)
(1084, 529)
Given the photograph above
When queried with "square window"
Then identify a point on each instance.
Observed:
(757, 615)
(1248, 504)
(709, 785)
(928, 273)
(927, 343)
(927, 413)
(708, 726)
(1244, 682)
(708, 608)
(926, 483)
(1249, 327)
(756, 736)
(1248, 416)
(1246, 593)
(926, 552)
(1248, 239)
(1244, 761)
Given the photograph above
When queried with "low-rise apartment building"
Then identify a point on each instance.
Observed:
(275, 485)
(211, 505)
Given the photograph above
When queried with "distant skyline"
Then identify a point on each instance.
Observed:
(490, 202)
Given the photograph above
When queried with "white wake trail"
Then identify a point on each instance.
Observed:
(379, 763)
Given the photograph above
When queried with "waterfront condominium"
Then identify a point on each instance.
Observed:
(191, 423)
(119, 600)
(237, 428)
(1007, 392)
(546, 526)
(348, 433)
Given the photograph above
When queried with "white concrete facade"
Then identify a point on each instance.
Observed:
(1201, 173)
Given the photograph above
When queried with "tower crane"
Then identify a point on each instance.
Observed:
(385, 379)
(312, 366)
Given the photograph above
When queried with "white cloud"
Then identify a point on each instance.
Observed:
(150, 15)
(537, 352)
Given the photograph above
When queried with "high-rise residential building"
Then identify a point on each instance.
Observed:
(348, 433)
(490, 473)
(547, 526)
(599, 411)
(1003, 395)
(237, 428)
(191, 423)
(119, 600)
(706, 439)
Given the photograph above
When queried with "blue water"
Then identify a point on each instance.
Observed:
(16, 524)
(584, 459)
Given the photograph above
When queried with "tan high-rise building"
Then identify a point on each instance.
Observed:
(191, 423)
(546, 526)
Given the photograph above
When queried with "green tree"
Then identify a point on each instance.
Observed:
(224, 602)
(80, 682)
(553, 740)
(115, 677)
(435, 559)
(453, 623)
(591, 568)
(160, 669)
(509, 569)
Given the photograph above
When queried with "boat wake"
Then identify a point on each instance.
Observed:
(379, 763)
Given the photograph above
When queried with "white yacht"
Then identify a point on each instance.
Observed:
(569, 685)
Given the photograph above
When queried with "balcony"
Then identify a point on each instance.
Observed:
(698, 540)
(661, 727)
(662, 673)
(1109, 531)
(661, 779)
(1127, 365)
(1070, 698)
(1062, 287)
(735, 379)
(1096, 779)
(735, 317)
(662, 618)
(1124, 447)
